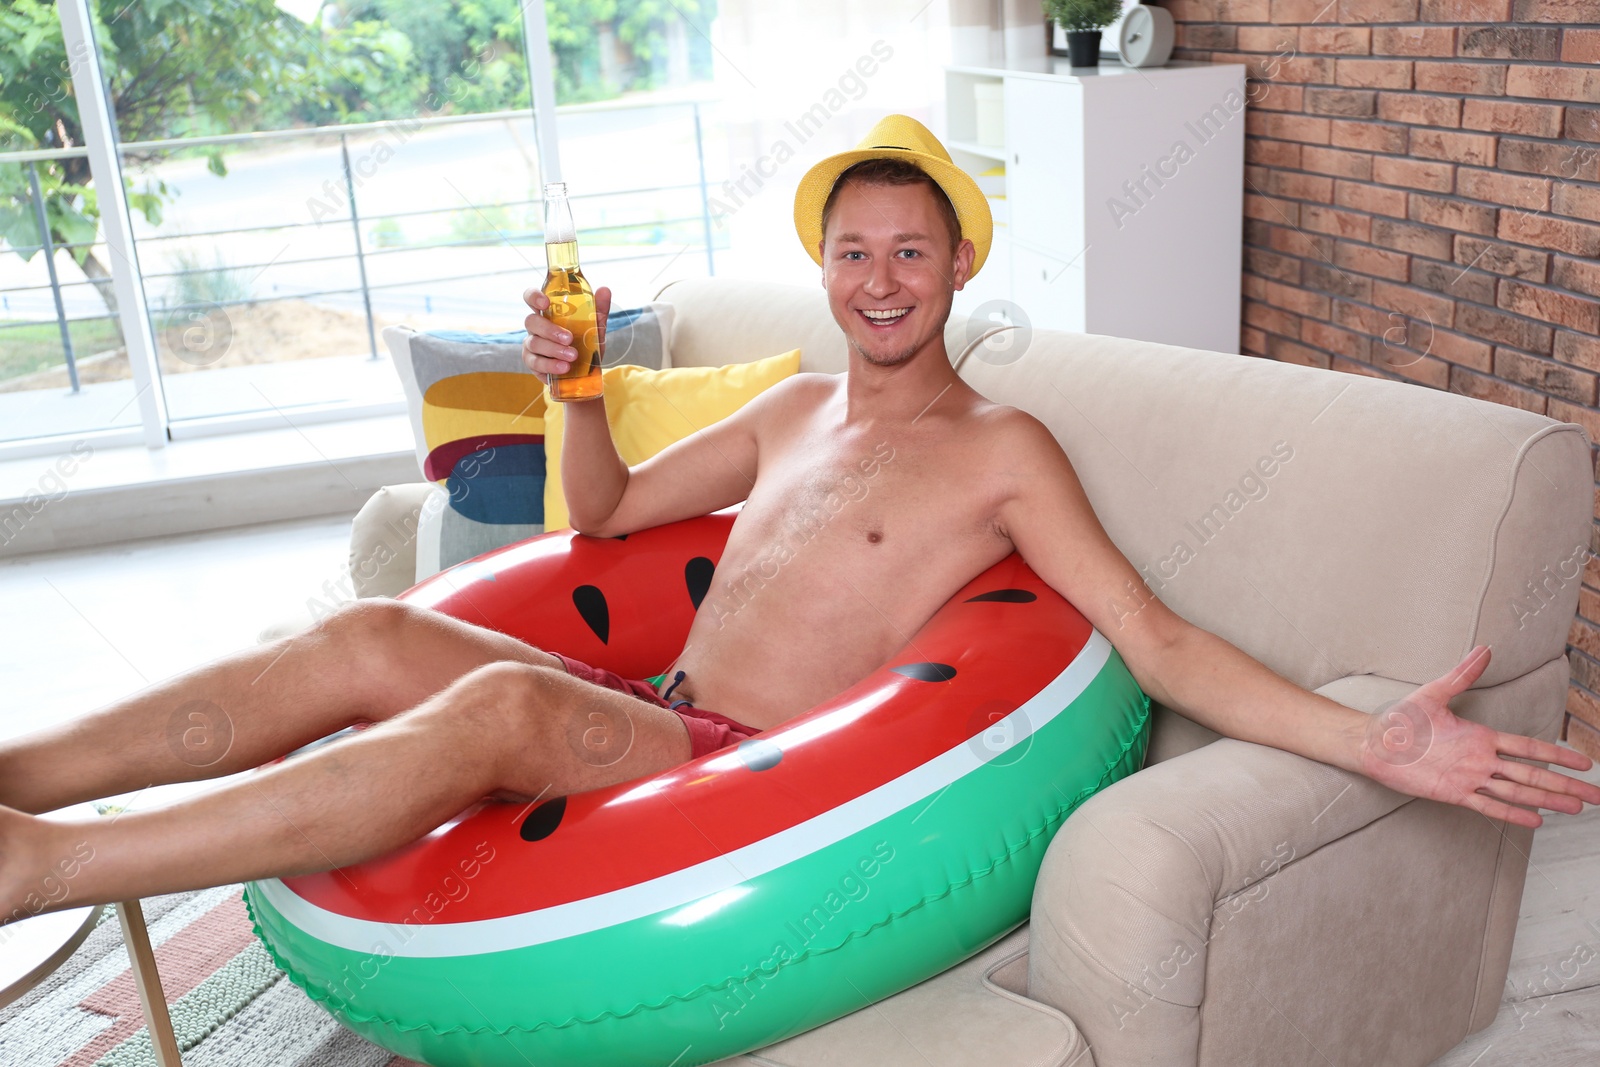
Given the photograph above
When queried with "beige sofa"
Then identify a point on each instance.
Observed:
(1232, 904)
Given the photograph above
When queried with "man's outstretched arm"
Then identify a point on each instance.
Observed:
(1419, 747)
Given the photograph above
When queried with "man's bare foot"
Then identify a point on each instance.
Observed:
(38, 862)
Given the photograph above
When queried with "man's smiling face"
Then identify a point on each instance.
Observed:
(891, 269)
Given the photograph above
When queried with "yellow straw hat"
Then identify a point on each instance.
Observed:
(896, 137)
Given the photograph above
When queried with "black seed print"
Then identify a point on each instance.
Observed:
(591, 604)
(543, 820)
(1003, 596)
(926, 672)
(697, 576)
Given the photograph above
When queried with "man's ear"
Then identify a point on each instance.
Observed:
(965, 253)
(823, 271)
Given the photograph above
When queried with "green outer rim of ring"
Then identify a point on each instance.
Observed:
(920, 927)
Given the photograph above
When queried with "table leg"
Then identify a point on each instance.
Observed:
(142, 959)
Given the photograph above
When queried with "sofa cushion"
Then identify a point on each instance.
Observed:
(1327, 524)
(383, 538)
(1398, 525)
(1277, 564)
(723, 321)
(967, 1015)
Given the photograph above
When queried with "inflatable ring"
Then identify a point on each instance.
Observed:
(745, 896)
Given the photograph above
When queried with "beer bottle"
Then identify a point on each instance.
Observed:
(571, 299)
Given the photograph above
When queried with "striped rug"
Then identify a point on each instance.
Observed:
(230, 1006)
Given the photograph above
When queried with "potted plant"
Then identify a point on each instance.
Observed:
(1083, 21)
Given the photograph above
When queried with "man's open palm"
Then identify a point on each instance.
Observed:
(1420, 747)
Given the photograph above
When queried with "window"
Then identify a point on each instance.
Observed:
(62, 366)
(299, 176)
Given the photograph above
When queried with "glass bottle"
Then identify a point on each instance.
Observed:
(571, 299)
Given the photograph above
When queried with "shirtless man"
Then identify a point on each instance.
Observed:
(462, 712)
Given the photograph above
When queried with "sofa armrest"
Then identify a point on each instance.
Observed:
(1128, 894)
(967, 1015)
(1146, 873)
(383, 540)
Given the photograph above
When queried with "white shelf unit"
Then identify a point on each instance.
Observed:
(1124, 199)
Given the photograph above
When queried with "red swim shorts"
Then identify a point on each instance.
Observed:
(708, 731)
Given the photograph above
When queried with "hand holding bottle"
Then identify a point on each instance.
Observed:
(570, 303)
(549, 348)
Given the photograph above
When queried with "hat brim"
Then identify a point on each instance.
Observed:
(972, 207)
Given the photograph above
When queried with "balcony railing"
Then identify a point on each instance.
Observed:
(680, 207)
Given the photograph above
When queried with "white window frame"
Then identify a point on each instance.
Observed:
(156, 426)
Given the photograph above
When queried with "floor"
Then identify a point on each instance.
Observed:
(86, 626)
(1550, 1015)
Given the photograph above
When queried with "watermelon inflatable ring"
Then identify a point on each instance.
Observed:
(745, 896)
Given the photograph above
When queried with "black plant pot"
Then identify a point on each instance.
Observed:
(1083, 48)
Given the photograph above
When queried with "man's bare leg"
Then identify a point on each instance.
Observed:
(369, 661)
(510, 729)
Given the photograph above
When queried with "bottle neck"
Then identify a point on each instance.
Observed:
(561, 255)
(558, 227)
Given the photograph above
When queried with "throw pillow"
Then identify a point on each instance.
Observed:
(477, 414)
(649, 410)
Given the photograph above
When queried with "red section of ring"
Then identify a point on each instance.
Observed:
(1004, 651)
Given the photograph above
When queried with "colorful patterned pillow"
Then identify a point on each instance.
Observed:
(477, 414)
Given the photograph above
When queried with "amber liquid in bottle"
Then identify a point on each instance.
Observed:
(571, 301)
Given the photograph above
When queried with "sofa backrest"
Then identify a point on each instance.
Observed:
(723, 321)
(1328, 524)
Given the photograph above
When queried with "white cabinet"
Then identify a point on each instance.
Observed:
(1049, 290)
(1124, 194)
(1044, 163)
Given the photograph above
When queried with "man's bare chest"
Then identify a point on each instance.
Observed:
(894, 499)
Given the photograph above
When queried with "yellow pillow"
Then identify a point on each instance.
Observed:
(650, 409)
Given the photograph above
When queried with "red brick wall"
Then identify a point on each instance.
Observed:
(1422, 203)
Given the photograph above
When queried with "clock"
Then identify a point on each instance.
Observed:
(1147, 36)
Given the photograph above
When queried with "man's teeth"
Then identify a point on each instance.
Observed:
(884, 316)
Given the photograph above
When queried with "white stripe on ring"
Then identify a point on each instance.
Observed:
(694, 883)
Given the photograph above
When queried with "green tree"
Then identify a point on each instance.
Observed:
(471, 57)
(467, 55)
(639, 25)
(180, 68)
(175, 68)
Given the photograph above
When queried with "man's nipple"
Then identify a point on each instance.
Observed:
(874, 536)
